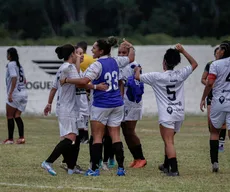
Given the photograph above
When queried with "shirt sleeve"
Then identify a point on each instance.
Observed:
(55, 82)
(213, 69)
(122, 61)
(149, 78)
(207, 67)
(12, 70)
(185, 72)
(72, 72)
(93, 71)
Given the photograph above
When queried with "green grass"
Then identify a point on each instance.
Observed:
(20, 164)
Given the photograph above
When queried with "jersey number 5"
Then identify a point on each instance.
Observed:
(111, 80)
(170, 92)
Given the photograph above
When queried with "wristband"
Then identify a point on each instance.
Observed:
(94, 86)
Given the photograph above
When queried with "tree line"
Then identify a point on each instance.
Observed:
(34, 19)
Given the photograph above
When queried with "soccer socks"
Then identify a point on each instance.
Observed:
(10, 124)
(173, 164)
(61, 148)
(108, 148)
(20, 125)
(214, 145)
(222, 137)
(137, 152)
(166, 162)
(90, 147)
(119, 152)
(96, 155)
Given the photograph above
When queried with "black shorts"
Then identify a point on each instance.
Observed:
(209, 100)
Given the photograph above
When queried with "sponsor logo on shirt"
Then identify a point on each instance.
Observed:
(227, 91)
(178, 103)
(221, 99)
(170, 110)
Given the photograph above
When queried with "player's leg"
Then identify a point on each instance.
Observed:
(10, 113)
(133, 143)
(222, 137)
(168, 134)
(20, 126)
(114, 122)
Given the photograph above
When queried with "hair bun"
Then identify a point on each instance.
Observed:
(59, 52)
(112, 41)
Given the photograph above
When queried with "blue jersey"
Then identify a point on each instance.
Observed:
(112, 97)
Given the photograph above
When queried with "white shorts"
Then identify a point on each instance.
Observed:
(176, 125)
(132, 114)
(19, 102)
(108, 116)
(218, 118)
(67, 125)
(82, 122)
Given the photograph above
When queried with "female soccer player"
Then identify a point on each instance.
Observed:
(169, 90)
(209, 99)
(133, 112)
(17, 96)
(107, 106)
(218, 82)
(68, 106)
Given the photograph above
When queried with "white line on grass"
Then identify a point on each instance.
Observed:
(53, 187)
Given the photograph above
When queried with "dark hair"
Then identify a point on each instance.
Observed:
(225, 45)
(63, 52)
(172, 58)
(106, 45)
(83, 45)
(215, 50)
(12, 52)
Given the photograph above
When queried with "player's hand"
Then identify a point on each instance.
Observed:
(10, 98)
(102, 86)
(62, 81)
(126, 44)
(47, 109)
(137, 68)
(202, 105)
(179, 48)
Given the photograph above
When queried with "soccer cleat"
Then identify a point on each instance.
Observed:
(48, 168)
(221, 148)
(163, 168)
(133, 163)
(90, 172)
(21, 141)
(105, 166)
(111, 163)
(121, 171)
(140, 163)
(64, 166)
(173, 174)
(79, 170)
(215, 167)
(71, 171)
(8, 141)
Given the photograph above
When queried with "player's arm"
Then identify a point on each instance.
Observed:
(137, 71)
(50, 101)
(13, 85)
(190, 59)
(208, 88)
(131, 54)
(204, 78)
(121, 87)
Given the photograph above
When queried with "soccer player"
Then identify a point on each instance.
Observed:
(17, 96)
(107, 108)
(133, 111)
(88, 60)
(68, 105)
(209, 99)
(218, 82)
(169, 90)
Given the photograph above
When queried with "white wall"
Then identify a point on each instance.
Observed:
(150, 57)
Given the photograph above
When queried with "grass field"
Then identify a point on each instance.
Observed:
(20, 164)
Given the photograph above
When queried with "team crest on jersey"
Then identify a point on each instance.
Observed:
(49, 66)
(221, 99)
(170, 110)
